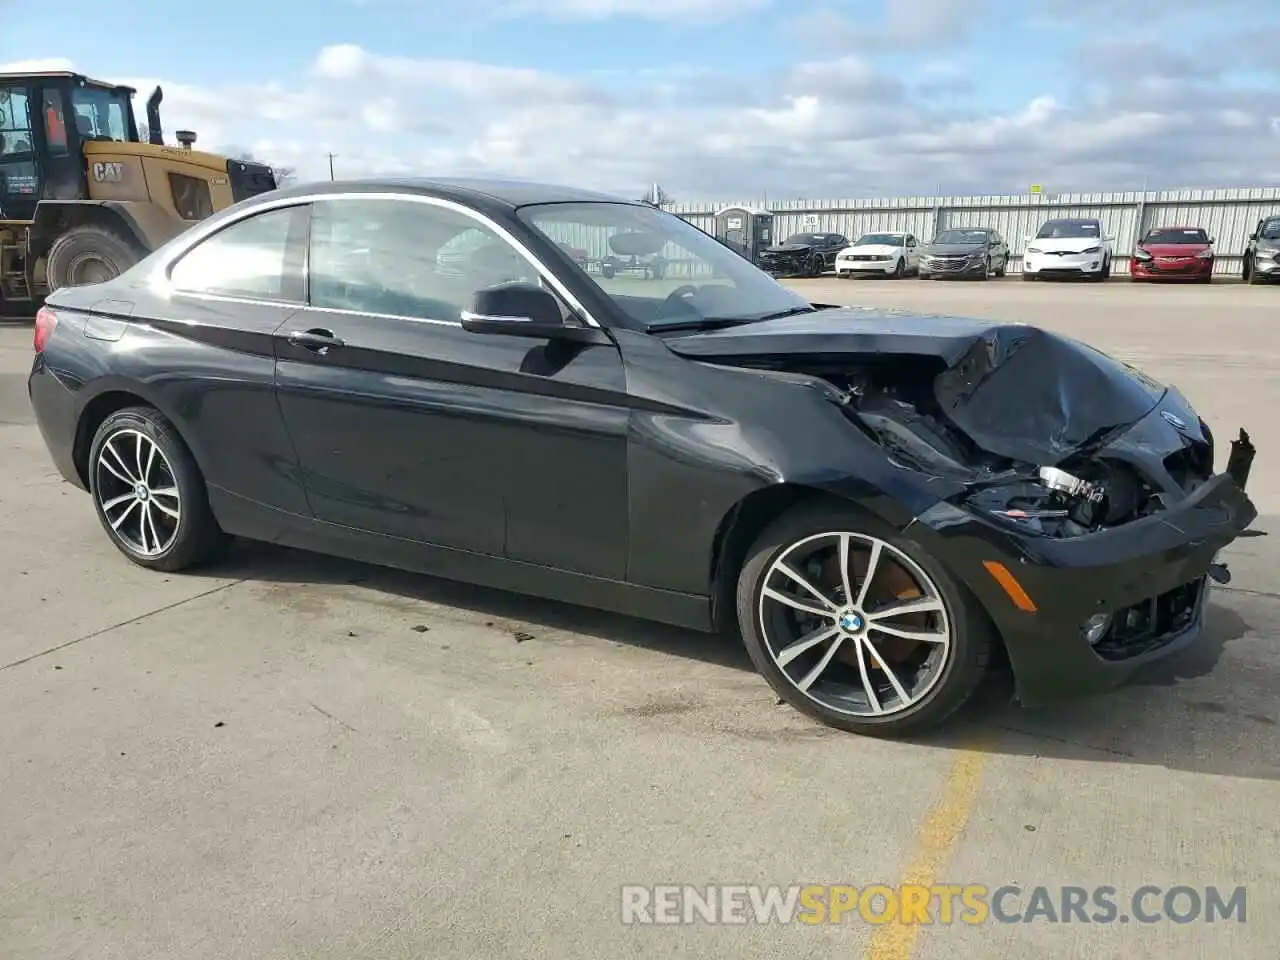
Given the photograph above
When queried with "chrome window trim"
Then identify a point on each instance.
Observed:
(159, 280)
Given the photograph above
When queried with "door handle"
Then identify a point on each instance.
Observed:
(318, 340)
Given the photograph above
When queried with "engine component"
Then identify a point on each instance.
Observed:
(1071, 485)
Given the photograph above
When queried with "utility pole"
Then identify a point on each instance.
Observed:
(331, 156)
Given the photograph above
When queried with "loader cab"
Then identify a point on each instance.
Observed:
(45, 120)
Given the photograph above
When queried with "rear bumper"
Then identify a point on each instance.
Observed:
(1156, 566)
(54, 406)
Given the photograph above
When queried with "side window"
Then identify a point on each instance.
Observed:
(405, 259)
(19, 178)
(258, 258)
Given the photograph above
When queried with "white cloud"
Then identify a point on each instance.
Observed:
(834, 127)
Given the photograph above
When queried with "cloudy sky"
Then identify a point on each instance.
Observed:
(728, 99)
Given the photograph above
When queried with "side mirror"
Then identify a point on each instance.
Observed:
(1212, 241)
(516, 309)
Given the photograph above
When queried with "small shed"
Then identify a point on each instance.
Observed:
(747, 230)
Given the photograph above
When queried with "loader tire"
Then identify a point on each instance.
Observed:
(89, 254)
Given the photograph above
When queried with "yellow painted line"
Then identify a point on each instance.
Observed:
(938, 836)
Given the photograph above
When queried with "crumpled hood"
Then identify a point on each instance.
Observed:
(1016, 390)
(789, 248)
(1175, 249)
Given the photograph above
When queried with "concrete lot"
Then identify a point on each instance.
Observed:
(293, 756)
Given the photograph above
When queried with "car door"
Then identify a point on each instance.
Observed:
(913, 253)
(221, 302)
(409, 426)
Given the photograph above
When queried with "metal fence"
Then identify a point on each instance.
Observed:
(1228, 215)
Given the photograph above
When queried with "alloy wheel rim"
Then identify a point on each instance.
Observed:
(137, 492)
(854, 624)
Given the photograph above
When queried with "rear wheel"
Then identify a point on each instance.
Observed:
(855, 626)
(149, 494)
(89, 254)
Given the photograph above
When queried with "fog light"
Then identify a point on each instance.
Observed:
(1095, 628)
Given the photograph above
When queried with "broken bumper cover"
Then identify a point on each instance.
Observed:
(1149, 577)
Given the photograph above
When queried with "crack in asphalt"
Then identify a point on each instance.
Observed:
(123, 623)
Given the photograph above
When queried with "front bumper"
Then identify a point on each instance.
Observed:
(865, 267)
(1267, 266)
(937, 267)
(1157, 564)
(1053, 265)
(1160, 268)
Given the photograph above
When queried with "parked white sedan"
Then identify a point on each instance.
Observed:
(879, 254)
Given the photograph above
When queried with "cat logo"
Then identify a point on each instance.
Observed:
(108, 172)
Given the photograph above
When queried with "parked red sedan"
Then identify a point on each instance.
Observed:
(1173, 253)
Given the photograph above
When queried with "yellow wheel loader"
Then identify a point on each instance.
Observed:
(83, 197)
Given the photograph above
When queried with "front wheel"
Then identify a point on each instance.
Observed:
(1255, 278)
(89, 254)
(149, 494)
(900, 270)
(856, 626)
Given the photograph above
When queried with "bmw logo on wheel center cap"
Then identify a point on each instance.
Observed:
(850, 622)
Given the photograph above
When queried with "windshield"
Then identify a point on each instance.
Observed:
(962, 236)
(810, 239)
(102, 114)
(1270, 230)
(1177, 235)
(880, 240)
(1068, 229)
(658, 269)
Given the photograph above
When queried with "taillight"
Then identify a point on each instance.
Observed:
(46, 320)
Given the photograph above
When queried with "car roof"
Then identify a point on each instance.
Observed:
(471, 191)
(1175, 226)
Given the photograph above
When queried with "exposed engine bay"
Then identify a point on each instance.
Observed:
(1041, 431)
(896, 405)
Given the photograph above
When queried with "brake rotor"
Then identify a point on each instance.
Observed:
(892, 584)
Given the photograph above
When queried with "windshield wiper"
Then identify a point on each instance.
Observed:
(700, 323)
(807, 308)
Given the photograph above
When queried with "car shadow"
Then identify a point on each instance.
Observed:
(1154, 720)
(268, 563)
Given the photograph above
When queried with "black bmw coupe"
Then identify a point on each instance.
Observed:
(420, 374)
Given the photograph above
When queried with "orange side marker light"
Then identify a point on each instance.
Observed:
(1000, 573)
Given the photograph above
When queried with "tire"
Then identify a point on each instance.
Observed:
(948, 672)
(166, 544)
(607, 270)
(900, 270)
(1003, 268)
(1245, 270)
(1256, 279)
(89, 254)
(986, 269)
(1106, 269)
(815, 267)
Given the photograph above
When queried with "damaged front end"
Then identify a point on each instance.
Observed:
(1043, 433)
(1074, 496)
